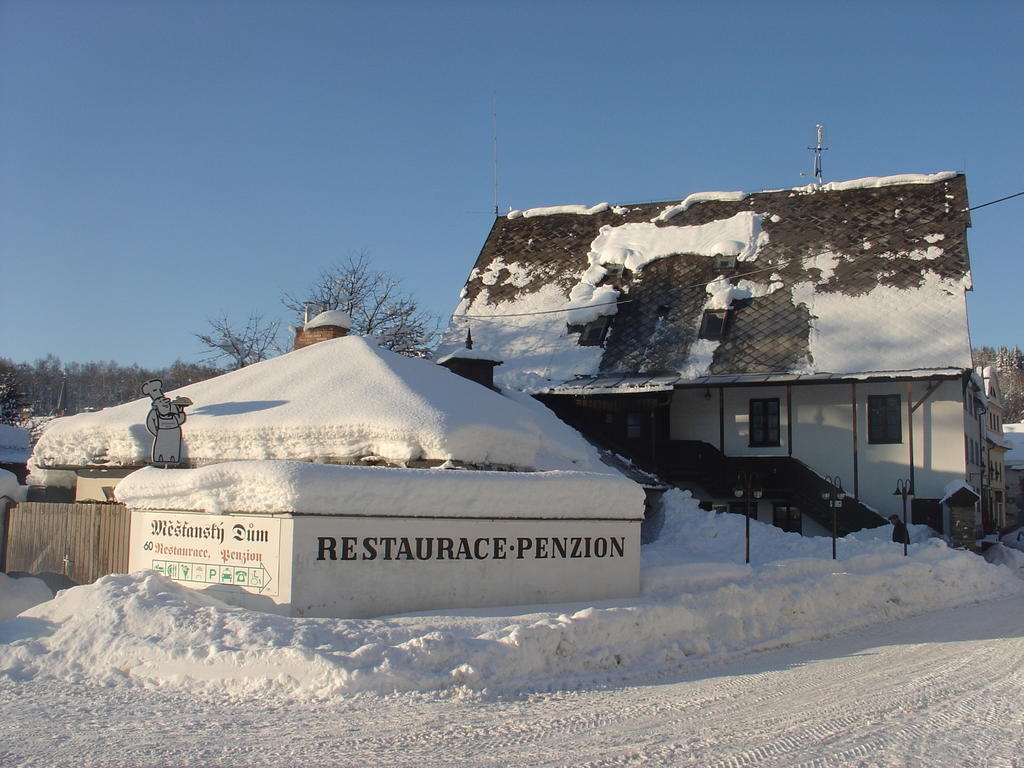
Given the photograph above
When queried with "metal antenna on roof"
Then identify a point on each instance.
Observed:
(817, 150)
(494, 125)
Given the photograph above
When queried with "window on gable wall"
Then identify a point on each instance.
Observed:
(884, 424)
(764, 422)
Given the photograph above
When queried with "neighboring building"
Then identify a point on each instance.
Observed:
(1014, 464)
(992, 475)
(793, 335)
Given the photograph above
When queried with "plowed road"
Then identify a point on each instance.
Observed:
(943, 689)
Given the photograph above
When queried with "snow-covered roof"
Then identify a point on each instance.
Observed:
(959, 489)
(319, 489)
(338, 401)
(1014, 435)
(843, 279)
(334, 317)
(470, 354)
(14, 445)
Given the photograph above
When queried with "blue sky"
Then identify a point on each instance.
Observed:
(163, 163)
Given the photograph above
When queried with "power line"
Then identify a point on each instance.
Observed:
(993, 202)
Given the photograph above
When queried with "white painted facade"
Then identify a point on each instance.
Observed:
(98, 483)
(825, 426)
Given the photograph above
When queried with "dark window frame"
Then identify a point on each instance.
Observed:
(765, 421)
(787, 517)
(885, 419)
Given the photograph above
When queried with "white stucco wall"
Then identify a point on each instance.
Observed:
(823, 433)
(358, 566)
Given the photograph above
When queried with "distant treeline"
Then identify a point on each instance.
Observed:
(49, 387)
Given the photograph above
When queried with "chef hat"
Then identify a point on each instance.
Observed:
(153, 388)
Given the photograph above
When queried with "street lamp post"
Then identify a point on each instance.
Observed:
(834, 495)
(904, 488)
(748, 486)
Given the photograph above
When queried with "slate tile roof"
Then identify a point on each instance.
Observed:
(846, 278)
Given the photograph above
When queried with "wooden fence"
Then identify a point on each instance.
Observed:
(67, 544)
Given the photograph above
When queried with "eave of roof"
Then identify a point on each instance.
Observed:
(639, 384)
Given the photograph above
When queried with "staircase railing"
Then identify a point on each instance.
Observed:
(782, 478)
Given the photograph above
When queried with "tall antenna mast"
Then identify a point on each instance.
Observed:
(817, 150)
(494, 126)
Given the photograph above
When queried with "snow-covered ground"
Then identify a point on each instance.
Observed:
(140, 671)
(940, 690)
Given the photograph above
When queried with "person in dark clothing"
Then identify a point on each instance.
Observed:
(899, 530)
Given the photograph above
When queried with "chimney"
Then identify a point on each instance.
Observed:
(332, 324)
(472, 364)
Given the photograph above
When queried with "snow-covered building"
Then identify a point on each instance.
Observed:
(793, 335)
(339, 464)
(343, 401)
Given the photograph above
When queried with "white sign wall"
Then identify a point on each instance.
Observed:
(240, 559)
(361, 566)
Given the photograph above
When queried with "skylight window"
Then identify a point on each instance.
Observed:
(724, 261)
(593, 333)
(712, 325)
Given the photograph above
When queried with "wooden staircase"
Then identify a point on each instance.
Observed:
(782, 478)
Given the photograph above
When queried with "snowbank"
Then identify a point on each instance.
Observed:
(324, 489)
(14, 445)
(700, 603)
(9, 486)
(17, 595)
(334, 402)
(1009, 557)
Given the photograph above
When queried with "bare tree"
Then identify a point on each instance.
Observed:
(251, 343)
(376, 303)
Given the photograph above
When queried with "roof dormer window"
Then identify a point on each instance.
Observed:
(724, 261)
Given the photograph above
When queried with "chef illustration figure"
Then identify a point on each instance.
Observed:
(164, 422)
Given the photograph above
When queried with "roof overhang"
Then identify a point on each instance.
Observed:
(615, 384)
(634, 384)
(770, 379)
